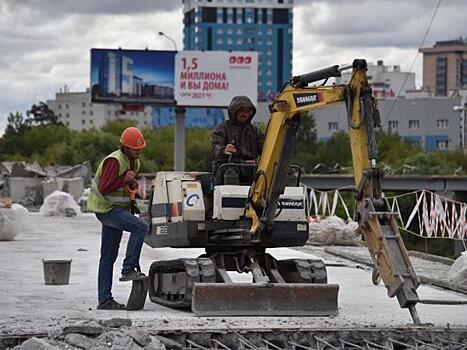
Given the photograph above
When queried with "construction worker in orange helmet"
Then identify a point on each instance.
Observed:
(110, 199)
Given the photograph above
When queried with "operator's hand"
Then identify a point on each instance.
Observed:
(130, 176)
(250, 161)
(230, 149)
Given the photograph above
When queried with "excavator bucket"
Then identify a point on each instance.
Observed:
(264, 299)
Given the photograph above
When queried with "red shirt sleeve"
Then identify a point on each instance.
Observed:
(109, 181)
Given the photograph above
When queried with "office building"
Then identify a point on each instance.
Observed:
(76, 111)
(445, 66)
(264, 26)
(432, 123)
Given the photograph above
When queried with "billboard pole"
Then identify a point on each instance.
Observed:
(179, 139)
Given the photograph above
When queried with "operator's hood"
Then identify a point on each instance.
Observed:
(240, 102)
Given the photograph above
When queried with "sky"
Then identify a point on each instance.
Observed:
(45, 44)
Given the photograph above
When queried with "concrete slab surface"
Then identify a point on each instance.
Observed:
(428, 270)
(28, 305)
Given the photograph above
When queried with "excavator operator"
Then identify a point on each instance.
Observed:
(236, 140)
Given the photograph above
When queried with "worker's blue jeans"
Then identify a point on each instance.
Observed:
(114, 223)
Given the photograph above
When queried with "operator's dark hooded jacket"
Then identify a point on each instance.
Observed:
(248, 139)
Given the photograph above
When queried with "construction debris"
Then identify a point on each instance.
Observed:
(82, 170)
(29, 184)
(22, 169)
(350, 338)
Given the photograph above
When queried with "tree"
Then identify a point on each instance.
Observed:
(433, 163)
(336, 150)
(11, 142)
(307, 143)
(16, 123)
(198, 150)
(392, 150)
(115, 127)
(41, 114)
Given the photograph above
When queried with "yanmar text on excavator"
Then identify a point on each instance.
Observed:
(236, 223)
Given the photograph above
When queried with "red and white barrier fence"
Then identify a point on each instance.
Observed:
(432, 215)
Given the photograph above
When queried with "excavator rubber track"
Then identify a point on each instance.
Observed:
(171, 281)
(298, 288)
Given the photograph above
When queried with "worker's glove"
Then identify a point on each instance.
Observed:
(134, 208)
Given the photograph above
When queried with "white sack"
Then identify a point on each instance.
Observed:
(11, 221)
(458, 272)
(59, 203)
(333, 230)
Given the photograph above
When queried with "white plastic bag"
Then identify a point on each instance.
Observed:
(333, 230)
(59, 203)
(458, 272)
(11, 221)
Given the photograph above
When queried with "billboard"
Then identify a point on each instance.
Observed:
(212, 78)
(132, 76)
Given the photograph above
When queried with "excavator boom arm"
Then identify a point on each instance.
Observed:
(376, 223)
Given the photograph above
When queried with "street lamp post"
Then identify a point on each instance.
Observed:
(179, 130)
(169, 38)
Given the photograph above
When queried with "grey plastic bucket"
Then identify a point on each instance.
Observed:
(56, 271)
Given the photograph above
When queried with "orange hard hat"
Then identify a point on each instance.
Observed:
(132, 138)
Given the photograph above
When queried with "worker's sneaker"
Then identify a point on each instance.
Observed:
(132, 276)
(110, 304)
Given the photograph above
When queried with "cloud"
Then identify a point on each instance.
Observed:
(334, 32)
(101, 7)
(45, 44)
(37, 58)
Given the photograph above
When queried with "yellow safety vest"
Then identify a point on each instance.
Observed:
(102, 203)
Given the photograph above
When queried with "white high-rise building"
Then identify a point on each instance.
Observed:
(76, 111)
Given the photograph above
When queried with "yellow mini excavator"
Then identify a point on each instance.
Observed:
(236, 223)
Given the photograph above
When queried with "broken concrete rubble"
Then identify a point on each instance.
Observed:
(141, 337)
(91, 328)
(49, 186)
(26, 191)
(421, 337)
(37, 344)
(29, 184)
(22, 169)
(82, 170)
(116, 322)
(80, 341)
(27, 170)
(73, 186)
